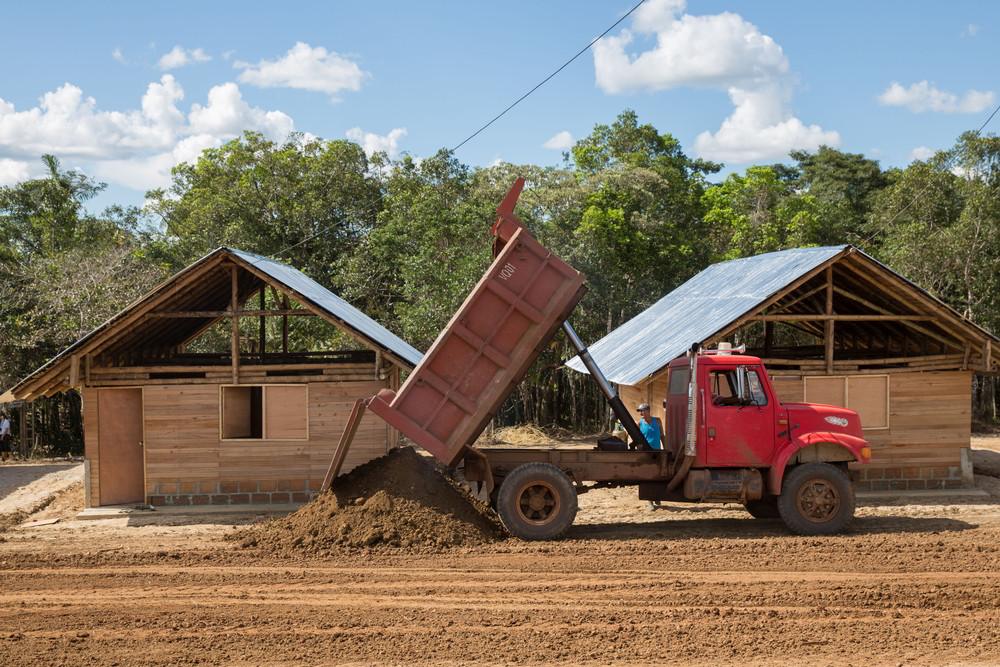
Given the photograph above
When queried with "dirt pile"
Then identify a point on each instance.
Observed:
(401, 500)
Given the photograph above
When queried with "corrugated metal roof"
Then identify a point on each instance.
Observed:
(216, 295)
(326, 300)
(697, 309)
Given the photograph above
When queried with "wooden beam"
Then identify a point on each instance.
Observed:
(329, 317)
(216, 314)
(284, 326)
(905, 292)
(235, 306)
(813, 317)
(828, 328)
(805, 296)
(739, 322)
(74, 370)
(262, 342)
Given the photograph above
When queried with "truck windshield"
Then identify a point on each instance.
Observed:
(725, 384)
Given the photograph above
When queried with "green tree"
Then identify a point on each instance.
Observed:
(428, 247)
(843, 187)
(756, 212)
(939, 225)
(308, 202)
(640, 232)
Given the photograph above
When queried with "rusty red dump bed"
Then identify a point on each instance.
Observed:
(488, 345)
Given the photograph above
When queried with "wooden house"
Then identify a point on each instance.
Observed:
(168, 423)
(833, 326)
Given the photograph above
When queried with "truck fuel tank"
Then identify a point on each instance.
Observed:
(721, 485)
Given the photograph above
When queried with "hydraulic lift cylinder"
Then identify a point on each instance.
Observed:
(628, 423)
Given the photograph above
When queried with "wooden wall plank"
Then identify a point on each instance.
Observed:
(183, 441)
(929, 417)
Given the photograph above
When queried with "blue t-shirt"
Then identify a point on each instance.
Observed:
(651, 432)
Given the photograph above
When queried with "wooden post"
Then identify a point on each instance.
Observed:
(768, 338)
(284, 326)
(262, 327)
(828, 328)
(234, 306)
(74, 370)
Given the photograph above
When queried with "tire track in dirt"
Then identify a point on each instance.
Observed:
(156, 614)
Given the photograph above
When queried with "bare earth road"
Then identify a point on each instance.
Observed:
(913, 582)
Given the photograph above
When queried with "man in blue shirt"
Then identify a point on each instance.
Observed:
(650, 427)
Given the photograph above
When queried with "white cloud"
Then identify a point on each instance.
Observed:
(179, 57)
(154, 171)
(560, 141)
(921, 153)
(721, 51)
(373, 143)
(760, 129)
(117, 55)
(134, 148)
(69, 124)
(717, 51)
(305, 67)
(972, 29)
(227, 115)
(12, 171)
(924, 96)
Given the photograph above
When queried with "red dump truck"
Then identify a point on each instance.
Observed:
(728, 437)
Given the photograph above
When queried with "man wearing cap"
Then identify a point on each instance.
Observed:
(650, 427)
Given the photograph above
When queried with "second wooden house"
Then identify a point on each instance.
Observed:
(833, 326)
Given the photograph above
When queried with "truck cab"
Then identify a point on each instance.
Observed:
(741, 421)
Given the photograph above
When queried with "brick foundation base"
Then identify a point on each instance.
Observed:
(258, 492)
(910, 478)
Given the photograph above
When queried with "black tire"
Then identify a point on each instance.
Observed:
(816, 499)
(537, 501)
(764, 508)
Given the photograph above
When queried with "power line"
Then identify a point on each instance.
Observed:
(546, 79)
(493, 120)
(931, 182)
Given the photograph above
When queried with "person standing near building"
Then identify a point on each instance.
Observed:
(650, 428)
(4, 437)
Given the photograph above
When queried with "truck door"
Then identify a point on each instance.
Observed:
(738, 417)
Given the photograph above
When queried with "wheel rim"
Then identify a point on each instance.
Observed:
(818, 500)
(538, 503)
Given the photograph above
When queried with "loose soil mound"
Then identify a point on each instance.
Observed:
(400, 500)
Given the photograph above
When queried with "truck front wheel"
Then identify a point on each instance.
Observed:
(537, 501)
(816, 499)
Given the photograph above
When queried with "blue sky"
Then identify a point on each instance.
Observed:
(124, 91)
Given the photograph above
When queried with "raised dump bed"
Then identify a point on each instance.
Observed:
(488, 345)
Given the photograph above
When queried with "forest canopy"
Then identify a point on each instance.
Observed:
(405, 240)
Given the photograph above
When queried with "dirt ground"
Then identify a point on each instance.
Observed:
(914, 581)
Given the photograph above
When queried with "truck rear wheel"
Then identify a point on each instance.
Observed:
(537, 501)
(816, 499)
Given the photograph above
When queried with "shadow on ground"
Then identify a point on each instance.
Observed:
(750, 528)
